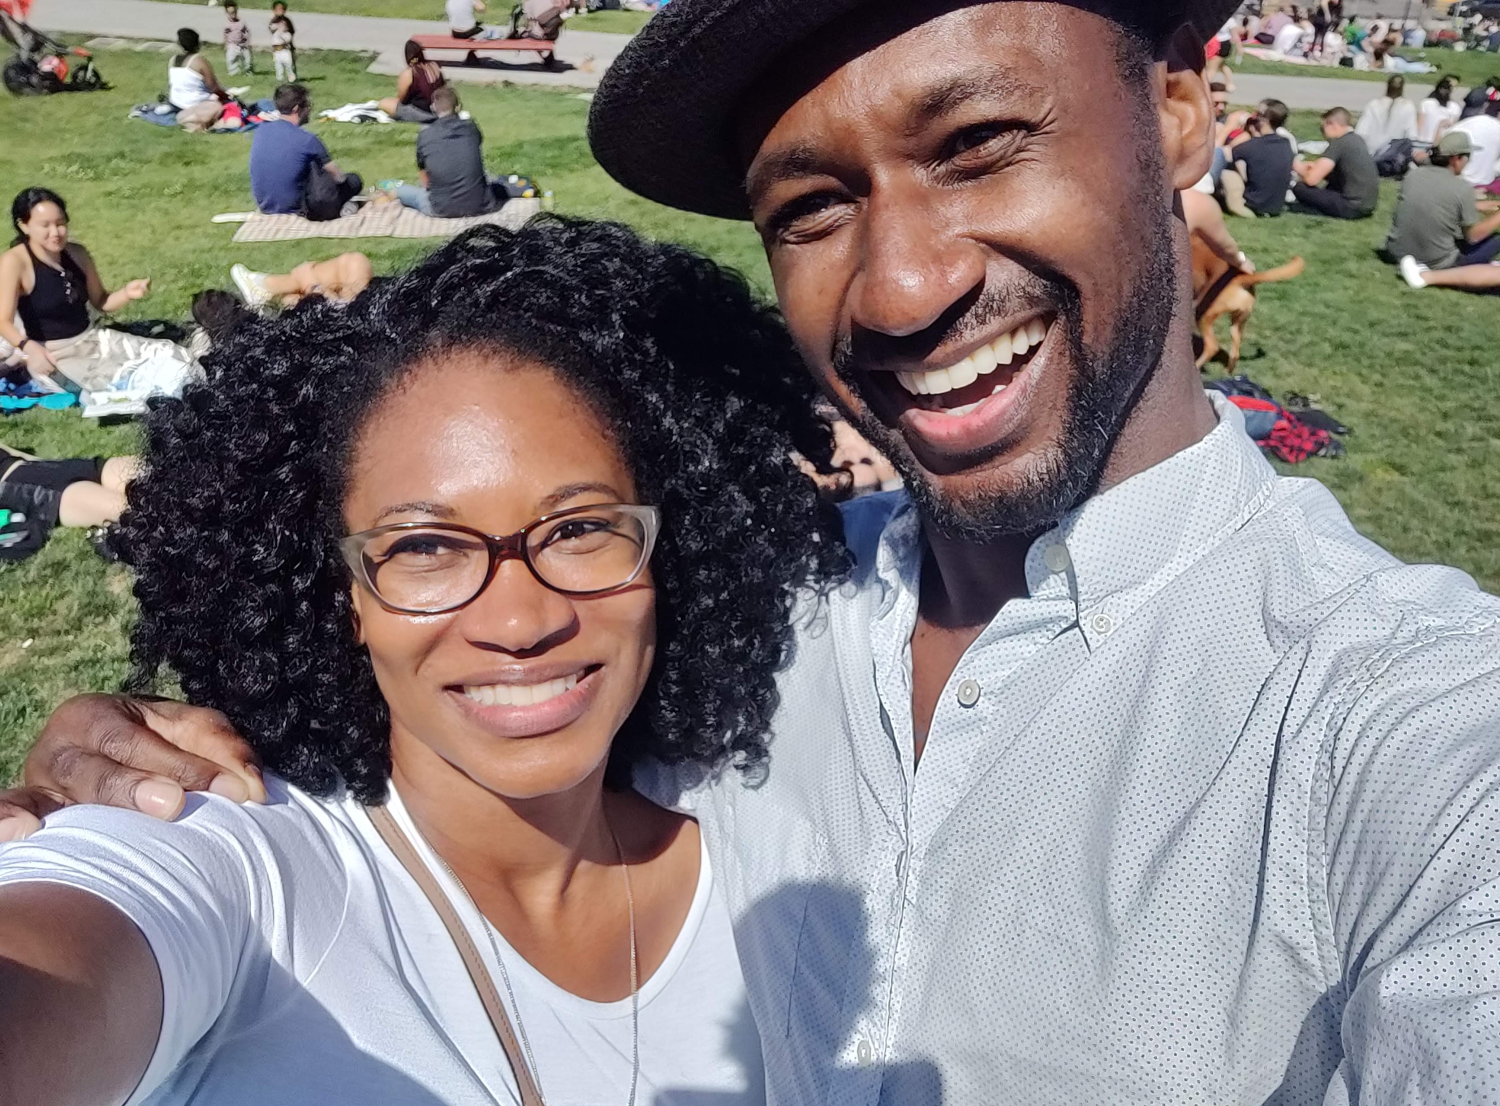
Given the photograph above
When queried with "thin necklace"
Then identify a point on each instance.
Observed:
(635, 991)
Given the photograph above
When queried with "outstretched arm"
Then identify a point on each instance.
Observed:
(80, 998)
(129, 753)
(102, 298)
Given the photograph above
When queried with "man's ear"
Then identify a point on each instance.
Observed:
(1186, 108)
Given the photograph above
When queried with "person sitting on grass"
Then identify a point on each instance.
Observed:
(192, 88)
(339, 279)
(291, 171)
(1438, 112)
(414, 88)
(1257, 184)
(1439, 234)
(1484, 134)
(1480, 96)
(450, 158)
(50, 283)
(1389, 118)
(38, 495)
(1345, 168)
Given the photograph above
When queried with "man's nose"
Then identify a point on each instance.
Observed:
(518, 614)
(912, 268)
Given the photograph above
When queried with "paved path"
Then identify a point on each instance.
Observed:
(589, 52)
(1320, 93)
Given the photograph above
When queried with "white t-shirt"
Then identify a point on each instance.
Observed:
(1433, 115)
(1484, 136)
(461, 15)
(302, 966)
(1288, 38)
(1385, 120)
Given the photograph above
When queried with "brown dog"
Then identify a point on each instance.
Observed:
(1219, 290)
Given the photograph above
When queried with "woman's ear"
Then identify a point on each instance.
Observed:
(358, 623)
(1186, 109)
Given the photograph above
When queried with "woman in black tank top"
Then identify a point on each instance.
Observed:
(49, 282)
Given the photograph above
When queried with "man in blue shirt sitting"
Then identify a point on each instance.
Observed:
(291, 171)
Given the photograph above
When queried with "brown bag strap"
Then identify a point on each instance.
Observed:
(400, 844)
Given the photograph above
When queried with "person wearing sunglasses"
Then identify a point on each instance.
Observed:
(458, 565)
(50, 283)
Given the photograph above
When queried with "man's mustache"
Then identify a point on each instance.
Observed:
(970, 319)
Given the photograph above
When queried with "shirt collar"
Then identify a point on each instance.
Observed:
(1118, 548)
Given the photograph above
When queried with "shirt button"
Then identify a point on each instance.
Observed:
(968, 693)
(1103, 625)
(1056, 558)
(865, 1054)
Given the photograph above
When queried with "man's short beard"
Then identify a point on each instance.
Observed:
(1105, 390)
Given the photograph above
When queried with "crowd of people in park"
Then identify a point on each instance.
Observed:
(551, 736)
(1444, 149)
(1319, 33)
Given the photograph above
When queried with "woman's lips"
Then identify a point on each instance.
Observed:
(504, 709)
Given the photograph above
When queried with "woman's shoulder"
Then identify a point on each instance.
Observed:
(292, 836)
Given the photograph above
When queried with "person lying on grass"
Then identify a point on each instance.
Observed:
(458, 555)
(339, 278)
(37, 495)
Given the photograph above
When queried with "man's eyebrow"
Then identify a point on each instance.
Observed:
(800, 160)
(937, 101)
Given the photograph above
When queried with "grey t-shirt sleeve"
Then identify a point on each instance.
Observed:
(1469, 214)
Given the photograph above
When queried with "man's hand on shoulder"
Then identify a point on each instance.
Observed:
(140, 754)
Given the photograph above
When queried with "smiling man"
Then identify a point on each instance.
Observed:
(1124, 771)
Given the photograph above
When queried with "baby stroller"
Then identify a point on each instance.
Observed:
(41, 66)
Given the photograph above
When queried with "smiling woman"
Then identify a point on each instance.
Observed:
(462, 559)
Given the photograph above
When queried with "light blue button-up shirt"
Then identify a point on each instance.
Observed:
(1211, 816)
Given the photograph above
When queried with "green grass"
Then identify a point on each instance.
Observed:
(1471, 67)
(1415, 373)
(620, 22)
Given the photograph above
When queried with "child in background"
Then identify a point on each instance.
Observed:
(236, 40)
(283, 51)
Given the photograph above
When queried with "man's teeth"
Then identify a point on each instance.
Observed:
(982, 362)
(520, 695)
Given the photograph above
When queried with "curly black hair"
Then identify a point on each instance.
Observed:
(233, 528)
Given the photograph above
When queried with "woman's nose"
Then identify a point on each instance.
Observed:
(518, 614)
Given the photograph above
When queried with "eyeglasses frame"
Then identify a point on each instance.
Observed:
(501, 548)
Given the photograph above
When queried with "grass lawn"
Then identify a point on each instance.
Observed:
(617, 22)
(1471, 67)
(1417, 374)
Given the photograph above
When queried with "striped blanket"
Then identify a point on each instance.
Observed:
(379, 221)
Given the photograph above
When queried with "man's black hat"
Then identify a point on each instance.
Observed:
(660, 120)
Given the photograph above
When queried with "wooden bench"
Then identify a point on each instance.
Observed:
(539, 46)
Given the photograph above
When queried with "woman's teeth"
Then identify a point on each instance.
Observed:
(1002, 351)
(520, 695)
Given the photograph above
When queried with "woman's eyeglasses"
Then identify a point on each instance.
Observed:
(436, 568)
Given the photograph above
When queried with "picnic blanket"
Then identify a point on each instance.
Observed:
(389, 220)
